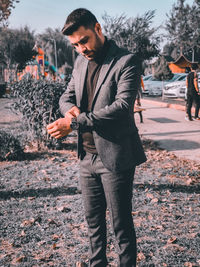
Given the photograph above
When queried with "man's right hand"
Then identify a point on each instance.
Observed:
(61, 127)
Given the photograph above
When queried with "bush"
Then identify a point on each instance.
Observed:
(10, 148)
(38, 101)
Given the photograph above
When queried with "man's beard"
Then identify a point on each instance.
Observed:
(96, 52)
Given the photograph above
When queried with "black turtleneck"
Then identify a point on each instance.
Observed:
(94, 67)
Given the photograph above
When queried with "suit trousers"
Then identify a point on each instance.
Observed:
(102, 189)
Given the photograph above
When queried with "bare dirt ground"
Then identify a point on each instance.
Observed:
(42, 218)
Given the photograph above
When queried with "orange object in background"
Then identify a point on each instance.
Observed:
(180, 64)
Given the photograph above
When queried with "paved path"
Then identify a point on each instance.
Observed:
(166, 124)
(163, 122)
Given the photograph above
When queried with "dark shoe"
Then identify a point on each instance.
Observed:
(197, 118)
(188, 119)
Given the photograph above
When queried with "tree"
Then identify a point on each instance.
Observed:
(23, 48)
(162, 70)
(182, 28)
(64, 51)
(16, 47)
(5, 10)
(135, 34)
(7, 43)
(178, 24)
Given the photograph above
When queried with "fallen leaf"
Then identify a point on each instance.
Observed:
(159, 227)
(148, 195)
(31, 198)
(28, 222)
(51, 221)
(188, 264)
(55, 237)
(20, 259)
(150, 217)
(171, 240)
(80, 264)
(54, 246)
(174, 246)
(155, 200)
(135, 212)
(64, 209)
(189, 181)
(22, 233)
(141, 257)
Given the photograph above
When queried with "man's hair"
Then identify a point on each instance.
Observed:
(194, 66)
(79, 17)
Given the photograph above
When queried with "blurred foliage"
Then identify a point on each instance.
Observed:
(16, 46)
(135, 34)
(162, 70)
(5, 10)
(38, 102)
(65, 53)
(10, 147)
(182, 29)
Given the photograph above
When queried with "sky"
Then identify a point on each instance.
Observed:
(41, 14)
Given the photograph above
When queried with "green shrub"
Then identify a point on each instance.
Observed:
(10, 147)
(38, 101)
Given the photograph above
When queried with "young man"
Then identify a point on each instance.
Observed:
(98, 102)
(193, 94)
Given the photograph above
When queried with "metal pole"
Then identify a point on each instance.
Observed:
(56, 61)
(193, 55)
(55, 52)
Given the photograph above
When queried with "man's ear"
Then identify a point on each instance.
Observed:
(98, 29)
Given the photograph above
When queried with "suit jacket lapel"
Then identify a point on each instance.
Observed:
(107, 64)
(102, 75)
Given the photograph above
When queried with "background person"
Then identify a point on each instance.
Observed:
(193, 94)
(139, 94)
(99, 103)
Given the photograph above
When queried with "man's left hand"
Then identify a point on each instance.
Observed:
(59, 128)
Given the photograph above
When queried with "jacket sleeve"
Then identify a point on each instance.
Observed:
(68, 98)
(127, 82)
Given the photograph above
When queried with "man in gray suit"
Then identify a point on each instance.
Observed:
(98, 102)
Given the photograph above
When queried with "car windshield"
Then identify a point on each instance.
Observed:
(182, 78)
(145, 78)
(177, 77)
(153, 79)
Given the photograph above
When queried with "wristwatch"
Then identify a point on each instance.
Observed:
(74, 124)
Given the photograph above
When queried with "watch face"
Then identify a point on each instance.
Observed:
(74, 124)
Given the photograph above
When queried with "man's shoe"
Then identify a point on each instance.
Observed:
(188, 119)
(197, 118)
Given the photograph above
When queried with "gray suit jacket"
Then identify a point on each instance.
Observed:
(111, 118)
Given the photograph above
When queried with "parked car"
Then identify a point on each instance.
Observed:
(175, 89)
(147, 80)
(155, 87)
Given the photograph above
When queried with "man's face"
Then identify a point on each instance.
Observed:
(87, 42)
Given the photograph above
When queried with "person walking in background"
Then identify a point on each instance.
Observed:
(98, 102)
(193, 94)
(139, 94)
